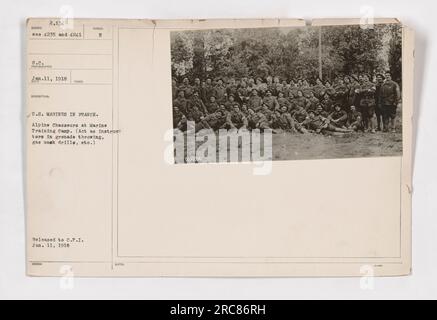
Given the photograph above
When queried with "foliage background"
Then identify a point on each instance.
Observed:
(289, 53)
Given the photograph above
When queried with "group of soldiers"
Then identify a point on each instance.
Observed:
(350, 103)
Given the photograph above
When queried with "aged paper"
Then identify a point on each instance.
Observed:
(107, 196)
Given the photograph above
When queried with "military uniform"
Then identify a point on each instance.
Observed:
(235, 119)
(271, 102)
(254, 102)
(390, 98)
(339, 118)
(367, 102)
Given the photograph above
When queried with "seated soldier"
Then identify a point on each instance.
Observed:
(180, 102)
(257, 120)
(314, 102)
(285, 120)
(212, 106)
(230, 102)
(318, 124)
(195, 114)
(355, 120)
(255, 101)
(282, 101)
(300, 101)
(195, 101)
(320, 111)
(338, 117)
(214, 121)
(270, 101)
(300, 115)
(236, 119)
(179, 119)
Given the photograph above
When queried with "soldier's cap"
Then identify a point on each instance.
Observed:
(337, 105)
(268, 91)
(380, 74)
(231, 95)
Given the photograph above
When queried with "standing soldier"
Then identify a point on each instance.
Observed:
(391, 97)
(341, 93)
(367, 103)
(378, 101)
(209, 89)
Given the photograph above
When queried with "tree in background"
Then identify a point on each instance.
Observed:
(289, 53)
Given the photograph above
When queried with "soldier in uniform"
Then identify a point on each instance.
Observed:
(300, 115)
(186, 87)
(327, 103)
(212, 106)
(255, 101)
(214, 121)
(282, 101)
(355, 120)
(314, 102)
(230, 103)
(180, 102)
(319, 124)
(179, 119)
(270, 101)
(285, 120)
(301, 101)
(220, 91)
(236, 119)
(367, 103)
(195, 101)
(341, 93)
(378, 101)
(319, 89)
(338, 117)
(391, 97)
(257, 120)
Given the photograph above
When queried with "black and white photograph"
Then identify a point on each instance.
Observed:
(321, 92)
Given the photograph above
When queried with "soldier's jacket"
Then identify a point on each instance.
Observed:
(378, 95)
(195, 115)
(390, 93)
(181, 104)
(254, 102)
(177, 118)
(330, 91)
(292, 92)
(319, 90)
(300, 114)
(209, 91)
(283, 102)
(285, 120)
(271, 102)
(301, 102)
(258, 120)
(243, 93)
(232, 89)
(339, 116)
(212, 107)
(230, 104)
(341, 92)
(315, 123)
(236, 118)
(187, 89)
(367, 91)
(219, 92)
(314, 102)
(214, 121)
(196, 102)
(327, 104)
(353, 117)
